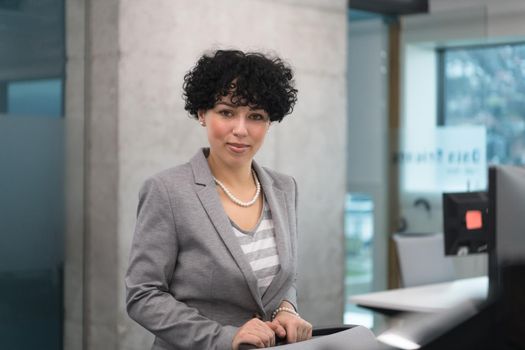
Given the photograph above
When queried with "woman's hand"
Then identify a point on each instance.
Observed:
(296, 328)
(258, 333)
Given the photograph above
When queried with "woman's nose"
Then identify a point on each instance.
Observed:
(239, 129)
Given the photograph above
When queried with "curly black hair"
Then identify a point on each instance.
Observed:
(251, 78)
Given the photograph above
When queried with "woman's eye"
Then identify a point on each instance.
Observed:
(226, 113)
(257, 117)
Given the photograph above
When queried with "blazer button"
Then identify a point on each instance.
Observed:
(257, 315)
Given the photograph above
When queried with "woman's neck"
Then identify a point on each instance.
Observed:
(240, 176)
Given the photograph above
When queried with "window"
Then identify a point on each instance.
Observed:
(486, 86)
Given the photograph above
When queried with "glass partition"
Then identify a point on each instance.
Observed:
(31, 174)
(359, 234)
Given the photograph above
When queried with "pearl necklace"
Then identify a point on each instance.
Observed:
(237, 200)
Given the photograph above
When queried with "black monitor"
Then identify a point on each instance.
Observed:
(465, 225)
(500, 322)
(506, 221)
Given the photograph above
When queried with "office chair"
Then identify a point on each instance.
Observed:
(422, 259)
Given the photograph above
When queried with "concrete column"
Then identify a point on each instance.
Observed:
(74, 150)
(103, 286)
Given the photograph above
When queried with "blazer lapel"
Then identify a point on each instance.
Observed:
(212, 204)
(277, 201)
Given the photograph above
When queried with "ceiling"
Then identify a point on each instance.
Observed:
(390, 7)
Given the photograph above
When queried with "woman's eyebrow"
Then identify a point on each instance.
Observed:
(257, 108)
(232, 105)
(226, 104)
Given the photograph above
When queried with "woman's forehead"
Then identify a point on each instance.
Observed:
(234, 101)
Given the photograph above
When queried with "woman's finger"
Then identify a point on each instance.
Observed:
(262, 338)
(256, 332)
(303, 334)
(291, 334)
(267, 329)
(277, 328)
(304, 331)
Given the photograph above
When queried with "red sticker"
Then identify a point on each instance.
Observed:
(474, 220)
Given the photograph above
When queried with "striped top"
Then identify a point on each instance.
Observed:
(260, 248)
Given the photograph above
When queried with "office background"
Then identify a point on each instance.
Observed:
(106, 76)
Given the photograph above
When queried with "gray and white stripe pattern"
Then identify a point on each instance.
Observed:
(260, 249)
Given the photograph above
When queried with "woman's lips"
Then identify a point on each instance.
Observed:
(238, 147)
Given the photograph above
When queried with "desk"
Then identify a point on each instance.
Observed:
(428, 298)
(355, 338)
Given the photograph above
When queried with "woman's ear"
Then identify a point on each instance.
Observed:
(200, 116)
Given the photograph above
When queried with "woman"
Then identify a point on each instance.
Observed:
(214, 255)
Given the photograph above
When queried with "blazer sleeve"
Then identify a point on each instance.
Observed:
(291, 294)
(152, 262)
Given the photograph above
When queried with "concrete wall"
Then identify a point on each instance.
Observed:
(136, 56)
(103, 286)
(74, 187)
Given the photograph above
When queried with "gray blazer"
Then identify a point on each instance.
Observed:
(188, 281)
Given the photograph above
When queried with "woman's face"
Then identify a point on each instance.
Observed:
(235, 133)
